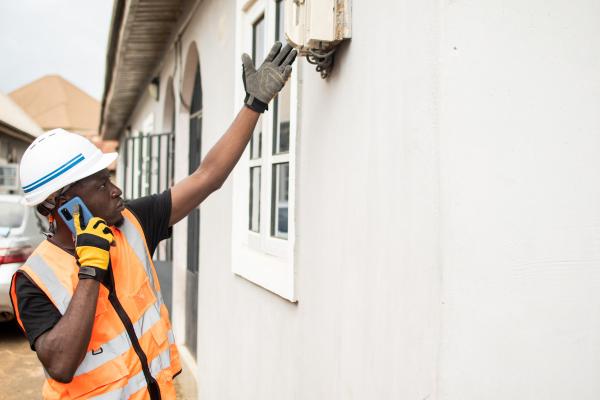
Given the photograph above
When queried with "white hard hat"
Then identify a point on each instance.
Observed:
(56, 159)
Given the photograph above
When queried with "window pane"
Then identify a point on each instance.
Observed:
(197, 93)
(8, 181)
(8, 171)
(254, 220)
(281, 103)
(195, 144)
(8, 176)
(279, 200)
(281, 121)
(256, 140)
(279, 27)
(258, 42)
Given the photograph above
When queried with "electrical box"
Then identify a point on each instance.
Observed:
(313, 23)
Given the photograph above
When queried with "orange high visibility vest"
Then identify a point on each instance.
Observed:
(132, 340)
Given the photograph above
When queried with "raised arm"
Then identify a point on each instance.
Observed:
(215, 168)
(261, 86)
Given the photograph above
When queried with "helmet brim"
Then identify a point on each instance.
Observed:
(103, 162)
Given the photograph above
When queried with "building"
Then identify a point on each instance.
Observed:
(53, 102)
(427, 222)
(17, 131)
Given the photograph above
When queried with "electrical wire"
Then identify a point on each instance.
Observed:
(324, 62)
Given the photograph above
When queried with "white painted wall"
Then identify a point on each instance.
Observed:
(214, 39)
(519, 170)
(446, 211)
(367, 323)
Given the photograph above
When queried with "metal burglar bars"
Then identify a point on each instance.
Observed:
(149, 169)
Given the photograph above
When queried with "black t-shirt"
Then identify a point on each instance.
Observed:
(36, 310)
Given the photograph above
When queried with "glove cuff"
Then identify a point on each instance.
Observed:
(91, 273)
(255, 104)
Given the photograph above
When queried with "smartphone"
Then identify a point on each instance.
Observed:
(66, 213)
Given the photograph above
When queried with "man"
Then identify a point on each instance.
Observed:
(92, 308)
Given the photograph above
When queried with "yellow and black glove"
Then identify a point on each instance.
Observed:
(92, 246)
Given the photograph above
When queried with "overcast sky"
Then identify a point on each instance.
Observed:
(54, 37)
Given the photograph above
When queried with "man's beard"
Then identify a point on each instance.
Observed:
(120, 222)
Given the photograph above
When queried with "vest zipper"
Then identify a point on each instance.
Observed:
(112, 297)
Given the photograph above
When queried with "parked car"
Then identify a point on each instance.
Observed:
(20, 233)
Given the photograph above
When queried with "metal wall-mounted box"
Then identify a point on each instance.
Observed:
(309, 23)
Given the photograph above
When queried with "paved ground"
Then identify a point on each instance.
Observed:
(21, 374)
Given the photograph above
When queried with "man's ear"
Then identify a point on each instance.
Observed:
(62, 200)
(59, 201)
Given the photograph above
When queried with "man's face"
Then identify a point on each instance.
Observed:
(100, 196)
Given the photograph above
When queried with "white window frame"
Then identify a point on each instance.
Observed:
(258, 257)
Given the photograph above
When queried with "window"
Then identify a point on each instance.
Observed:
(9, 177)
(279, 200)
(258, 55)
(258, 40)
(254, 220)
(281, 144)
(263, 238)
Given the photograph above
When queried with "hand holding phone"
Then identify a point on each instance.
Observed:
(66, 213)
(92, 245)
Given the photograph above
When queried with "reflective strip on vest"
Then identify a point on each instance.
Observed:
(110, 350)
(161, 362)
(120, 344)
(159, 298)
(136, 242)
(59, 293)
(138, 381)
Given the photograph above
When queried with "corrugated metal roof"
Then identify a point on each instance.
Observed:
(140, 33)
(53, 102)
(14, 117)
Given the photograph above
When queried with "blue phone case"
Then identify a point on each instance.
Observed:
(66, 213)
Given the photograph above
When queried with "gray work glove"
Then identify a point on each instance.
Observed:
(263, 84)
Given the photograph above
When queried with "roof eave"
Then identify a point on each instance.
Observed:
(113, 43)
(118, 103)
(16, 132)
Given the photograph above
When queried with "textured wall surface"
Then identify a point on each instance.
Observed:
(519, 172)
(446, 210)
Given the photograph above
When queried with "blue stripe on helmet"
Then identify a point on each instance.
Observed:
(55, 171)
(54, 174)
